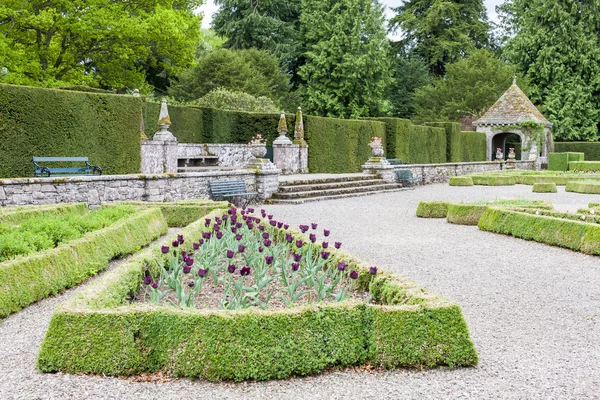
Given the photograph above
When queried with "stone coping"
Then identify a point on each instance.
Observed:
(461, 164)
(212, 145)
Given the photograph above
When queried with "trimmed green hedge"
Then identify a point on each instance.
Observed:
(17, 215)
(98, 332)
(558, 180)
(432, 209)
(470, 213)
(181, 213)
(461, 181)
(560, 161)
(574, 235)
(414, 143)
(544, 188)
(32, 278)
(494, 180)
(590, 149)
(48, 123)
(462, 146)
(340, 145)
(588, 187)
(586, 166)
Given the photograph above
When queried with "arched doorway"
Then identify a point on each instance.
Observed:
(506, 140)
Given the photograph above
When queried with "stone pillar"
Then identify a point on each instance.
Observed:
(299, 140)
(287, 157)
(380, 167)
(267, 177)
(159, 155)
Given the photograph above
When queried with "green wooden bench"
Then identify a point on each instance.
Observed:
(232, 190)
(396, 161)
(406, 177)
(42, 170)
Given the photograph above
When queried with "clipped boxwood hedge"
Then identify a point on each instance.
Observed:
(51, 123)
(587, 187)
(432, 209)
(494, 180)
(585, 166)
(181, 213)
(414, 143)
(470, 213)
(17, 215)
(544, 188)
(462, 146)
(560, 161)
(32, 278)
(99, 332)
(575, 235)
(461, 181)
(590, 149)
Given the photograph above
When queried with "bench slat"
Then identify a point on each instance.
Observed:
(59, 159)
(53, 170)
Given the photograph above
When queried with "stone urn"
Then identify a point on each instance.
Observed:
(377, 151)
(511, 154)
(258, 150)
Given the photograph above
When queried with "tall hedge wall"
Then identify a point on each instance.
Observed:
(48, 122)
(462, 146)
(590, 149)
(339, 145)
(413, 143)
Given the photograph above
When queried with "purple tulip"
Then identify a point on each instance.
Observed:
(279, 225)
(267, 242)
(314, 226)
(233, 229)
(250, 226)
(269, 260)
(206, 235)
(191, 283)
(241, 248)
(196, 246)
(265, 235)
(299, 244)
(286, 226)
(270, 216)
(230, 211)
(186, 269)
(312, 237)
(238, 236)
(218, 220)
(303, 228)
(230, 253)
(219, 235)
(245, 270)
(326, 232)
(325, 255)
(189, 261)
(180, 239)
(231, 268)
(260, 249)
(273, 223)
(342, 266)
(297, 257)
(201, 242)
(202, 272)
(245, 217)
(239, 225)
(337, 245)
(373, 270)
(175, 243)
(251, 210)
(289, 238)
(295, 266)
(217, 227)
(261, 228)
(164, 249)
(354, 274)
(325, 245)
(184, 254)
(147, 280)
(225, 217)
(243, 212)
(206, 221)
(155, 285)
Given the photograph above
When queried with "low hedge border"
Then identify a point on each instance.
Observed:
(29, 279)
(586, 187)
(181, 213)
(584, 166)
(97, 331)
(461, 181)
(588, 217)
(494, 180)
(544, 188)
(469, 213)
(17, 215)
(575, 235)
(432, 209)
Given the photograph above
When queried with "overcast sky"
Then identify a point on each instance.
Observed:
(209, 8)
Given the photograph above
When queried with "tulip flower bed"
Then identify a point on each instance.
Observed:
(234, 312)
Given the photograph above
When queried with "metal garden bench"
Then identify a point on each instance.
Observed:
(42, 170)
(232, 190)
(405, 176)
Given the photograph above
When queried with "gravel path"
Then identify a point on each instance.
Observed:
(532, 310)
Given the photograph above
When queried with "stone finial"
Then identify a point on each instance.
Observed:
(164, 121)
(299, 128)
(282, 130)
(514, 79)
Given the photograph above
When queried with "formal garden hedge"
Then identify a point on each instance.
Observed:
(98, 331)
(562, 232)
(494, 180)
(180, 213)
(584, 166)
(414, 144)
(48, 122)
(560, 161)
(470, 213)
(461, 181)
(32, 278)
(16, 215)
(462, 146)
(584, 186)
(590, 149)
(544, 188)
(432, 209)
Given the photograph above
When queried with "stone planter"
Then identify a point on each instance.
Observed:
(258, 150)
(377, 151)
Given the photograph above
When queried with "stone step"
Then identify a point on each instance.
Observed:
(314, 181)
(333, 192)
(333, 197)
(331, 185)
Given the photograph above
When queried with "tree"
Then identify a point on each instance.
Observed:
(442, 31)
(237, 101)
(557, 47)
(409, 74)
(270, 25)
(469, 88)
(252, 71)
(346, 49)
(112, 44)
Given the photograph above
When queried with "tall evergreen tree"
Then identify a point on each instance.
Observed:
(409, 74)
(442, 31)
(557, 46)
(346, 49)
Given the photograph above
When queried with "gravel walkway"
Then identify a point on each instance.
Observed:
(532, 310)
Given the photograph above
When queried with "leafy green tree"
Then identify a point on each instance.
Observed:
(442, 31)
(105, 43)
(409, 74)
(271, 25)
(237, 101)
(346, 49)
(469, 88)
(557, 46)
(252, 71)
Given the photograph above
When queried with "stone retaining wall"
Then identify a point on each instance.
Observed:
(230, 155)
(438, 173)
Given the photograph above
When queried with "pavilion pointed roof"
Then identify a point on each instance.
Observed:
(512, 108)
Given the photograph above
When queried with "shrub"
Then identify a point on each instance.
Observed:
(494, 180)
(462, 146)
(16, 215)
(432, 209)
(236, 101)
(584, 166)
(181, 213)
(461, 181)
(588, 187)
(560, 161)
(590, 149)
(544, 188)
(470, 213)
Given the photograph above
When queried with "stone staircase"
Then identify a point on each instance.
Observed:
(304, 190)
